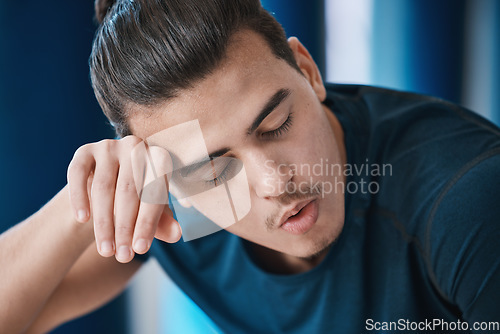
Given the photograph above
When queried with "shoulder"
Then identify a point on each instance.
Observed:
(462, 234)
(424, 140)
(384, 109)
(406, 128)
(444, 188)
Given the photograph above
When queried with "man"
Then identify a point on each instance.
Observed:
(369, 209)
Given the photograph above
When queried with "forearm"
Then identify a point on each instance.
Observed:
(35, 255)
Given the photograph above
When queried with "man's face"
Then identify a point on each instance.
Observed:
(258, 109)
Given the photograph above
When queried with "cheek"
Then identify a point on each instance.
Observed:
(313, 139)
(250, 228)
(227, 203)
(215, 205)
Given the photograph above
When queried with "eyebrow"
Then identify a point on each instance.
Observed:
(268, 108)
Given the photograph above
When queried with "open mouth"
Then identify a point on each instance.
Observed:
(302, 218)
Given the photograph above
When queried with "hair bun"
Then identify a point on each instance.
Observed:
(101, 9)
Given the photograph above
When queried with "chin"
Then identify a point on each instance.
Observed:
(316, 243)
(312, 249)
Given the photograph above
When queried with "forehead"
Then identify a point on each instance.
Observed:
(248, 75)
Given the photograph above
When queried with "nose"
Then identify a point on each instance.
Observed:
(270, 178)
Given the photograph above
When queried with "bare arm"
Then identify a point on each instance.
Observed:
(91, 282)
(35, 256)
(51, 269)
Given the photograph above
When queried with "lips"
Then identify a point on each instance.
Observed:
(294, 211)
(300, 219)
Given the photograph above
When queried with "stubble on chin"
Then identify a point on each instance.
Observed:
(319, 250)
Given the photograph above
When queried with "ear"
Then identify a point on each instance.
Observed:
(308, 67)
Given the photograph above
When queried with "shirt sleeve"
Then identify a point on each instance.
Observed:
(463, 241)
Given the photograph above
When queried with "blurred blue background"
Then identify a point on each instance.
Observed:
(446, 48)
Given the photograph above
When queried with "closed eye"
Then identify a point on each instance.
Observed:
(281, 130)
(214, 172)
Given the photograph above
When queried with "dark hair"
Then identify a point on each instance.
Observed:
(146, 51)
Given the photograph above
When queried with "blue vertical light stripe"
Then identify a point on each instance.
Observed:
(389, 36)
(306, 21)
(179, 314)
(495, 96)
(436, 47)
(418, 46)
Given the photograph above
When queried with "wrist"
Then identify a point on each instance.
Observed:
(61, 217)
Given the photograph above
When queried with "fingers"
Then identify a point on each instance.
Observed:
(126, 209)
(103, 195)
(143, 172)
(145, 228)
(154, 196)
(168, 228)
(158, 168)
(128, 185)
(79, 170)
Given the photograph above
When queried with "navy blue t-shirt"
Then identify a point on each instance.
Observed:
(424, 248)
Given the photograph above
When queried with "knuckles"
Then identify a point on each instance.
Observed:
(131, 140)
(103, 184)
(102, 223)
(127, 187)
(124, 230)
(147, 225)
